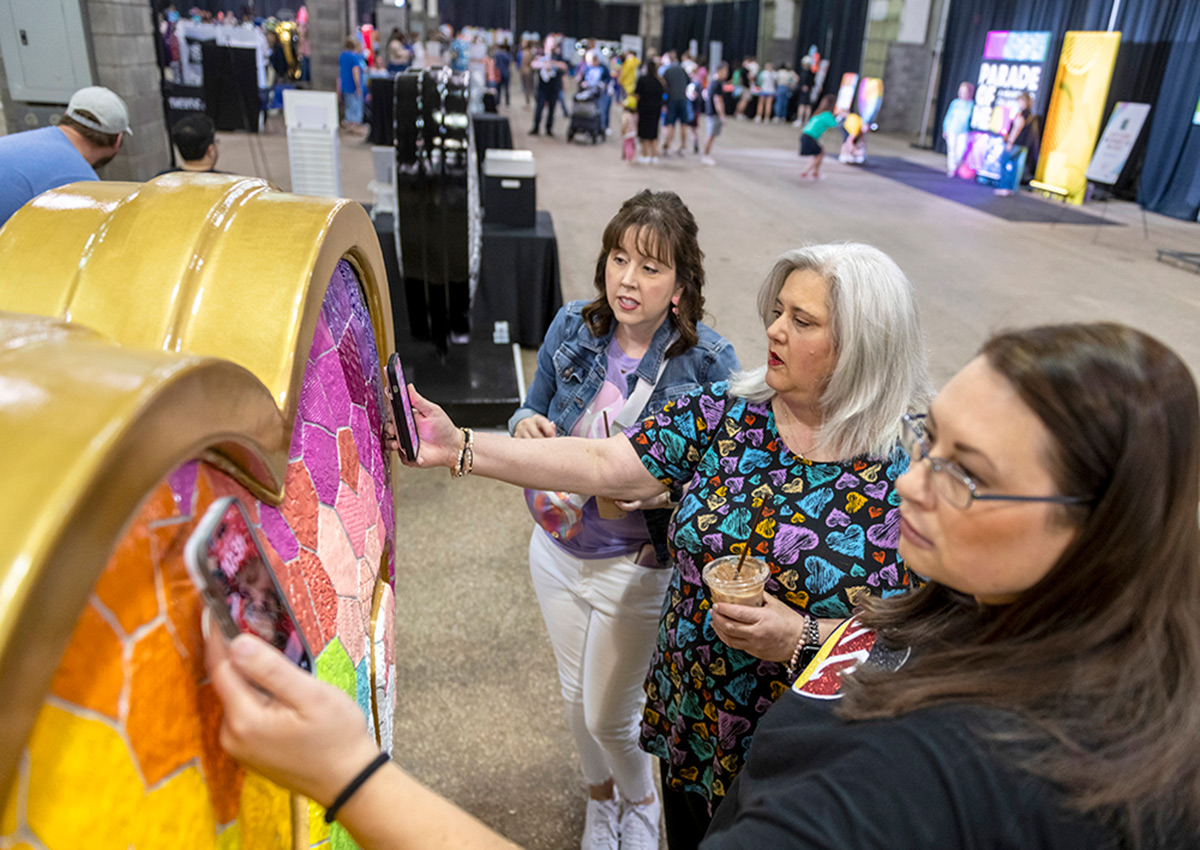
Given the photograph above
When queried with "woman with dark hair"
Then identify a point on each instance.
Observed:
(649, 91)
(603, 366)
(1039, 691)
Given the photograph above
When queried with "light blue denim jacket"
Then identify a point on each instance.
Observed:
(572, 364)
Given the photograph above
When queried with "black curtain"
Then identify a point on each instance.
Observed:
(488, 14)
(735, 25)
(1148, 30)
(837, 28)
(578, 18)
(1171, 173)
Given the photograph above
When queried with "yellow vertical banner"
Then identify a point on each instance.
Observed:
(1076, 110)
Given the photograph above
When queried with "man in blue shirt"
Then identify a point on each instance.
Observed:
(88, 137)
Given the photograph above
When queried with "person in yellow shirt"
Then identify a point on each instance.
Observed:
(627, 76)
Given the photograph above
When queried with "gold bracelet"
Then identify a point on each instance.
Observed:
(466, 455)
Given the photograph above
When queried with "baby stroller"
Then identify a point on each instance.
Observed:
(585, 115)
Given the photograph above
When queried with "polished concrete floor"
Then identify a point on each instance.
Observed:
(478, 710)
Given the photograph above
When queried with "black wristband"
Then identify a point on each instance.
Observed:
(354, 784)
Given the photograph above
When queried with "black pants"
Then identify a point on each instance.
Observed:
(546, 98)
(685, 815)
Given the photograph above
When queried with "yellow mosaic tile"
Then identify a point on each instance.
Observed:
(177, 815)
(318, 830)
(230, 839)
(265, 816)
(83, 789)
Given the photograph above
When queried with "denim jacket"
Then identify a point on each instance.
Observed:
(572, 364)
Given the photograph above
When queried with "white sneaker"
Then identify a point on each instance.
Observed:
(639, 826)
(600, 825)
(708, 160)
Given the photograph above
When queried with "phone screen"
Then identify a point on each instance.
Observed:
(231, 571)
(406, 426)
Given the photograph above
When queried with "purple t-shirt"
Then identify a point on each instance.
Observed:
(606, 538)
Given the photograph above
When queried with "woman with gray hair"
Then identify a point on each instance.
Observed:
(796, 460)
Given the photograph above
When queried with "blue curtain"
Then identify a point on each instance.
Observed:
(1171, 173)
(1150, 34)
(836, 27)
(735, 25)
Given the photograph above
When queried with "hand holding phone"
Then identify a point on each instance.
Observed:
(406, 426)
(227, 564)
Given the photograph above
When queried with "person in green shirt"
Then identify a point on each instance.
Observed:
(827, 117)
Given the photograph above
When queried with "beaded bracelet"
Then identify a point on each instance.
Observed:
(353, 786)
(811, 640)
(466, 455)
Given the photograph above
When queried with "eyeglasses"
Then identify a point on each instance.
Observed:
(950, 480)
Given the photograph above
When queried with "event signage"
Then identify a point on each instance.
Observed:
(1085, 69)
(845, 95)
(1013, 62)
(1116, 143)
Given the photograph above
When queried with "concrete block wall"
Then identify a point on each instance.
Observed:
(328, 26)
(122, 41)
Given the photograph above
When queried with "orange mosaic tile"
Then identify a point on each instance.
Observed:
(90, 673)
(162, 725)
(323, 596)
(299, 506)
(126, 587)
(291, 579)
(348, 457)
(223, 775)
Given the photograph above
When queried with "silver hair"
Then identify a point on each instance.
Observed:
(882, 367)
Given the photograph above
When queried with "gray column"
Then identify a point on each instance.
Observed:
(328, 26)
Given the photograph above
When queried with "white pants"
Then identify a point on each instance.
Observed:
(602, 615)
(956, 149)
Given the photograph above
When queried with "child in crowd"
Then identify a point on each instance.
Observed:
(956, 125)
(828, 116)
(629, 130)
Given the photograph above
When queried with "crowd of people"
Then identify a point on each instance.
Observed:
(671, 104)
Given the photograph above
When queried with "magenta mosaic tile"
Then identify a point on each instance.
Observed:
(183, 485)
(321, 458)
(333, 382)
(278, 534)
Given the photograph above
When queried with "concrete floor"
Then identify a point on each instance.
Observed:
(478, 710)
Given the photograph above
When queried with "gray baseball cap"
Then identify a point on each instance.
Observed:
(106, 112)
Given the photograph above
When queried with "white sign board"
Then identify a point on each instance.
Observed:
(1117, 141)
(632, 42)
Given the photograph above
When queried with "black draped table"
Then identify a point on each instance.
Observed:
(518, 281)
(382, 105)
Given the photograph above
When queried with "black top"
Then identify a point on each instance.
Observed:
(676, 80)
(926, 779)
(716, 89)
(1023, 137)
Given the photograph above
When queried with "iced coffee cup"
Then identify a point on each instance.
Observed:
(726, 584)
(608, 509)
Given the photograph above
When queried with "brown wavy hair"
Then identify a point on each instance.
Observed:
(1101, 658)
(665, 230)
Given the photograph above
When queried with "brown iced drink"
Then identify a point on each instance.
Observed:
(608, 509)
(726, 584)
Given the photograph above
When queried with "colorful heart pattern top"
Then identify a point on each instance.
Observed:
(828, 532)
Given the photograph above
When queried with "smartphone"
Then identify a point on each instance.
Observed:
(406, 426)
(229, 568)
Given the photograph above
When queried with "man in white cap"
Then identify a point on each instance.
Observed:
(88, 136)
